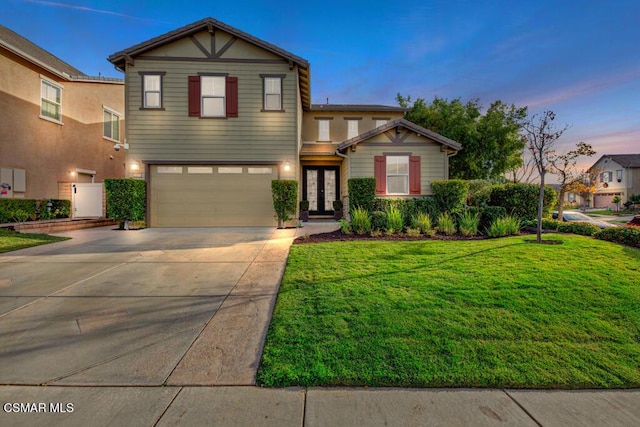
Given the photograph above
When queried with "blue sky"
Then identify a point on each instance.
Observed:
(579, 58)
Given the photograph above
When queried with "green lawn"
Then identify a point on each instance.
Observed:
(488, 313)
(12, 241)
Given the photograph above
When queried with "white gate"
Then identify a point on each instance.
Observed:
(87, 200)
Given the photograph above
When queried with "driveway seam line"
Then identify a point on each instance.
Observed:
(522, 407)
(168, 406)
(61, 290)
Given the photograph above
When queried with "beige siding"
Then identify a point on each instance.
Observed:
(338, 126)
(432, 164)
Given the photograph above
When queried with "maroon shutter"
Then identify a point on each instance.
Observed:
(414, 175)
(194, 96)
(232, 96)
(380, 172)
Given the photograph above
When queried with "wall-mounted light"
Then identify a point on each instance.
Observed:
(287, 166)
(72, 173)
(135, 167)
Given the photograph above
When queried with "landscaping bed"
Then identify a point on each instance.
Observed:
(431, 313)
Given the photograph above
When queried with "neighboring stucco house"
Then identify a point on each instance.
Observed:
(619, 175)
(58, 126)
(215, 114)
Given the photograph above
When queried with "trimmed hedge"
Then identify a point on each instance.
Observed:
(628, 236)
(582, 228)
(285, 196)
(479, 192)
(521, 200)
(362, 193)
(126, 198)
(451, 195)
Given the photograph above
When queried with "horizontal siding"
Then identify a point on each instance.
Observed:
(170, 134)
(432, 161)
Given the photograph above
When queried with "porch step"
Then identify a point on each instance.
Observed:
(59, 225)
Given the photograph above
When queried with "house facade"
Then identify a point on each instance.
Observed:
(618, 175)
(58, 127)
(215, 114)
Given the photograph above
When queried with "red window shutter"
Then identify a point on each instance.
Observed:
(194, 96)
(380, 172)
(232, 97)
(414, 175)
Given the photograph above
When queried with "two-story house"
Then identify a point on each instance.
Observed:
(618, 175)
(215, 114)
(58, 127)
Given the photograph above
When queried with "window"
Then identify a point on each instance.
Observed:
(152, 91)
(571, 197)
(352, 128)
(111, 125)
(323, 130)
(51, 101)
(230, 170)
(272, 93)
(169, 169)
(199, 169)
(606, 177)
(260, 170)
(619, 175)
(213, 96)
(380, 122)
(397, 174)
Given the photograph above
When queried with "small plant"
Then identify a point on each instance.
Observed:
(21, 215)
(504, 226)
(395, 222)
(469, 223)
(412, 232)
(360, 221)
(304, 205)
(446, 224)
(375, 233)
(422, 222)
(345, 227)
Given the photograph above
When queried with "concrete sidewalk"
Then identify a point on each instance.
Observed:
(253, 406)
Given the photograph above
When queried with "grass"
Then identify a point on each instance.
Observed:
(487, 313)
(601, 212)
(12, 241)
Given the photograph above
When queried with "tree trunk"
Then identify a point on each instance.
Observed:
(540, 208)
(561, 194)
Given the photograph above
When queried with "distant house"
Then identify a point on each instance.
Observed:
(215, 114)
(619, 175)
(58, 127)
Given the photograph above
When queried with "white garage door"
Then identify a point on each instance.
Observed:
(211, 196)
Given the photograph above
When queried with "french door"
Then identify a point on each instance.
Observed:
(321, 187)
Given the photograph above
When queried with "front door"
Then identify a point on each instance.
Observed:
(321, 187)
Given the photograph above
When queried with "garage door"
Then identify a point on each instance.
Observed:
(211, 196)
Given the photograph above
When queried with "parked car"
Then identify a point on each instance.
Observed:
(635, 221)
(580, 217)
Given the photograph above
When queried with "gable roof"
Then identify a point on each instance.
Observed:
(209, 24)
(357, 108)
(401, 123)
(624, 160)
(33, 53)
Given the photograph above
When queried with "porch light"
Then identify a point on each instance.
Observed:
(287, 166)
(135, 167)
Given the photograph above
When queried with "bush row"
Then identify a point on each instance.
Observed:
(20, 210)
(629, 236)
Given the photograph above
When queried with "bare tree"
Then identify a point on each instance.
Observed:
(564, 166)
(524, 173)
(541, 137)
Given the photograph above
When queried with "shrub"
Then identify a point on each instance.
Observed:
(360, 221)
(479, 192)
(378, 220)
(422, 222)
(285, 195)
(521, 200)
(60, 208)
(395, 221)
(345, 227)
(362, 193)
(126, 199)
(504, 226)
(469, 223)
(12, 206)
(582, 228)
(446, 224)
(451, 195)
(20, 215)
(628, 236)
(413, 232)
(488, 214)
(304, 205)
(547, 224)
(427, 205)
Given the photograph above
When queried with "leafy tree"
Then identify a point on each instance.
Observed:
(541, 136)
(564, 166)
(585, 185)
(491, 142)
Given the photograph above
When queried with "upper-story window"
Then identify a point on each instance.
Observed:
(152, 90)
(619, 175)
(213, 96)
(380, 122)
(51, 101)
(323, 130)
(272, 85)
(111, 125)
(606, 177)
(352, 128)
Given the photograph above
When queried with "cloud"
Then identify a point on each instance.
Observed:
(88, 9)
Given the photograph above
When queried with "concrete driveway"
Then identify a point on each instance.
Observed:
(147, 307)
